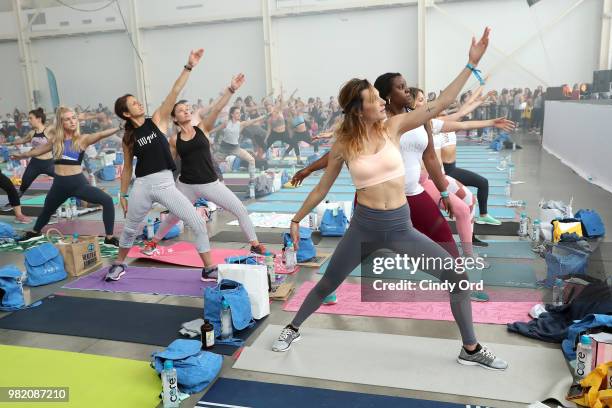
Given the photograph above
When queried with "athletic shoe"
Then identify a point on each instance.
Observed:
(30, 236)
(210, 274)
(150, 248)
(112, 241)
(6, 208)
(484, 358)
(259, 249)
(330, 299)
(478, 242)
(287, 336)
(478, 296)
(487, 220)
(115, 272)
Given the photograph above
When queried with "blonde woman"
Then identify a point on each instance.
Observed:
(68, 148)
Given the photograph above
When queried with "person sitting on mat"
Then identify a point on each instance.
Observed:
(68, 148)
(145, 139)
(369, 145)
(197, 178)
(14, 204)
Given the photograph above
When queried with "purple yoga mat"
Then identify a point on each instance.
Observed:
(83, 227)
(162, 281)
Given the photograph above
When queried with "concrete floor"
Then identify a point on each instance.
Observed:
(544, 176)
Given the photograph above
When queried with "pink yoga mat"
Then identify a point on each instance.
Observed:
(83, 227)
(492, 312)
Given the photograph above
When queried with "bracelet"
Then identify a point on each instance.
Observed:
(187, 67)
(476, 73)
(444, 194)
(232, 90)
(296, 222)
(125, 195)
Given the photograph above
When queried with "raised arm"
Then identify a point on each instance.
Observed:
(21, 140)
(500, 123)
(247, 123)
(94, 138)
(207, 124)
(161, 115)
(46, 148)
(434, 168)
(400, 124)
(172, 143)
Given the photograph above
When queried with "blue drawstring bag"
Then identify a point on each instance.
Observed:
(236, 164)
(564, 261)
(241, 259)
(592, 225)
(195, 369)
(238, 299)
(306, 250)
(44, 264)
(7, 231)
(333, 223)
(107, 173)
(118, 158)
(11, 289)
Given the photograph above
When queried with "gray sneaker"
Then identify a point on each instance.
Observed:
(484, 358)
(287, 336)
(115, 272)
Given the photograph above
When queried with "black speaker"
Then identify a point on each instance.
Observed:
(554, 93)
(601, 80)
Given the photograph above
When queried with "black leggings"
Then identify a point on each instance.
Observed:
(472, 179)
(11, 192)
(283, 137)
(304, 137)
(64, 187)
(35, 168)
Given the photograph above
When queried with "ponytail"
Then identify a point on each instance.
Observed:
(120, 110)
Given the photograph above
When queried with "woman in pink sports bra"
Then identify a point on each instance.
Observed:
(369, 146)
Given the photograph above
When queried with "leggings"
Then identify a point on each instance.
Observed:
(35, 168)
(219, 194)
(282, 137)
(160, 188)
(303, 137)
(64, 187)
(393, 226)
(462, 213)
(11, 192)
(472, 179)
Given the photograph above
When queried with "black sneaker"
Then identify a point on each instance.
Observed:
(112, 241)
(479, 243)
(30, 236)
(210, 274)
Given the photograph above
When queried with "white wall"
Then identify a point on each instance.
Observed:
(318, 53)
(567, 53)
(89, 68)
(230, 48)
(12, 92)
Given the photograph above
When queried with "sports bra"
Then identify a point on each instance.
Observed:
(39, 139)
(70, 157)
(449, 139)
(278, 122)
(371, 169)
(298, 120)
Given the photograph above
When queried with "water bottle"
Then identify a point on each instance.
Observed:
(557, 293)
(75, 238)
(67, 210)
(523, 225)
(150, 229)
(252, 190)
(227, 331)
(92, 180)
(170, 394)
(584, 355)
(270, 268)
(535, 230)
(508, 188)
(290, 258)
(514, 146)
(510, 170)
(502, 164)
(73, 207)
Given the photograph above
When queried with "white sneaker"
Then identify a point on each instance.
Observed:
(286, 337)
(484, 358)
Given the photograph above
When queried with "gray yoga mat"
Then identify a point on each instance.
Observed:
(416, 363)
(268, 237)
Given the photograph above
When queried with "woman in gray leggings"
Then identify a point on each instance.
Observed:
(198, 178)
(369, 146)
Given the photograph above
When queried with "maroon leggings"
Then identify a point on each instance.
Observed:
(428, 220)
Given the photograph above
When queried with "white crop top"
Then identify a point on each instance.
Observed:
(231, 134)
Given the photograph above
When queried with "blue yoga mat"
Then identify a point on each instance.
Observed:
(300, 197)
(333, 190)
(508, 249)
(497, 201)
(498, 191)
(227, 392)
(274, 206)
(501, 213)
(497, 175)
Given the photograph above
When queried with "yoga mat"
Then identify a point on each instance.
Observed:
(492, 312)
(501, 213)
(500, 191)
(497, 201)
(93, 381)
(416, 363)
(338, 182)
(158, 281)
(275, 206)
(288, 196)
(507, 228)
(264, 236)
(518, 274)
(83, 227)
(508, 249)
(185, 254)
(270, 220)
(255, 394)
(334, 189)
(40, 200)
(133, 322)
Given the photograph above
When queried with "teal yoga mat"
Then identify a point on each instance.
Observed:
(300, 197)
(507, 249)
(273, 206)
(333, 190)
(506, 272)
(338, 182)
(498, 191)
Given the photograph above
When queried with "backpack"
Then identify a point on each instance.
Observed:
(44, 264)
(11, 289)
(107, 173)
(7, 231)
(306, 250)
(195, 369)
(333, 223)
(592, 225)
(236, 295)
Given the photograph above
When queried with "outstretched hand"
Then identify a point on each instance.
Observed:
(478, 49)
(504, 124)
(195, 56)
(237, 81)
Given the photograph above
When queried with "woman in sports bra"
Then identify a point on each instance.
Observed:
(38, 136)
(299, 130)
(277, 129)
(68, 148)
(369, 146)
(198, 178)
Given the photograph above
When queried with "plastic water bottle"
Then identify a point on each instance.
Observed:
(170, 393)
(510, 170)
(523, 225)
(73, 207)
(75, 238)
(503, 164)
(584, 355)
(68, 210)
(251, 190)
(150, 229)
(557, 293)
(508, 188)
(290, 258)
(227, 331)
(535, 230)
(270, 267)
